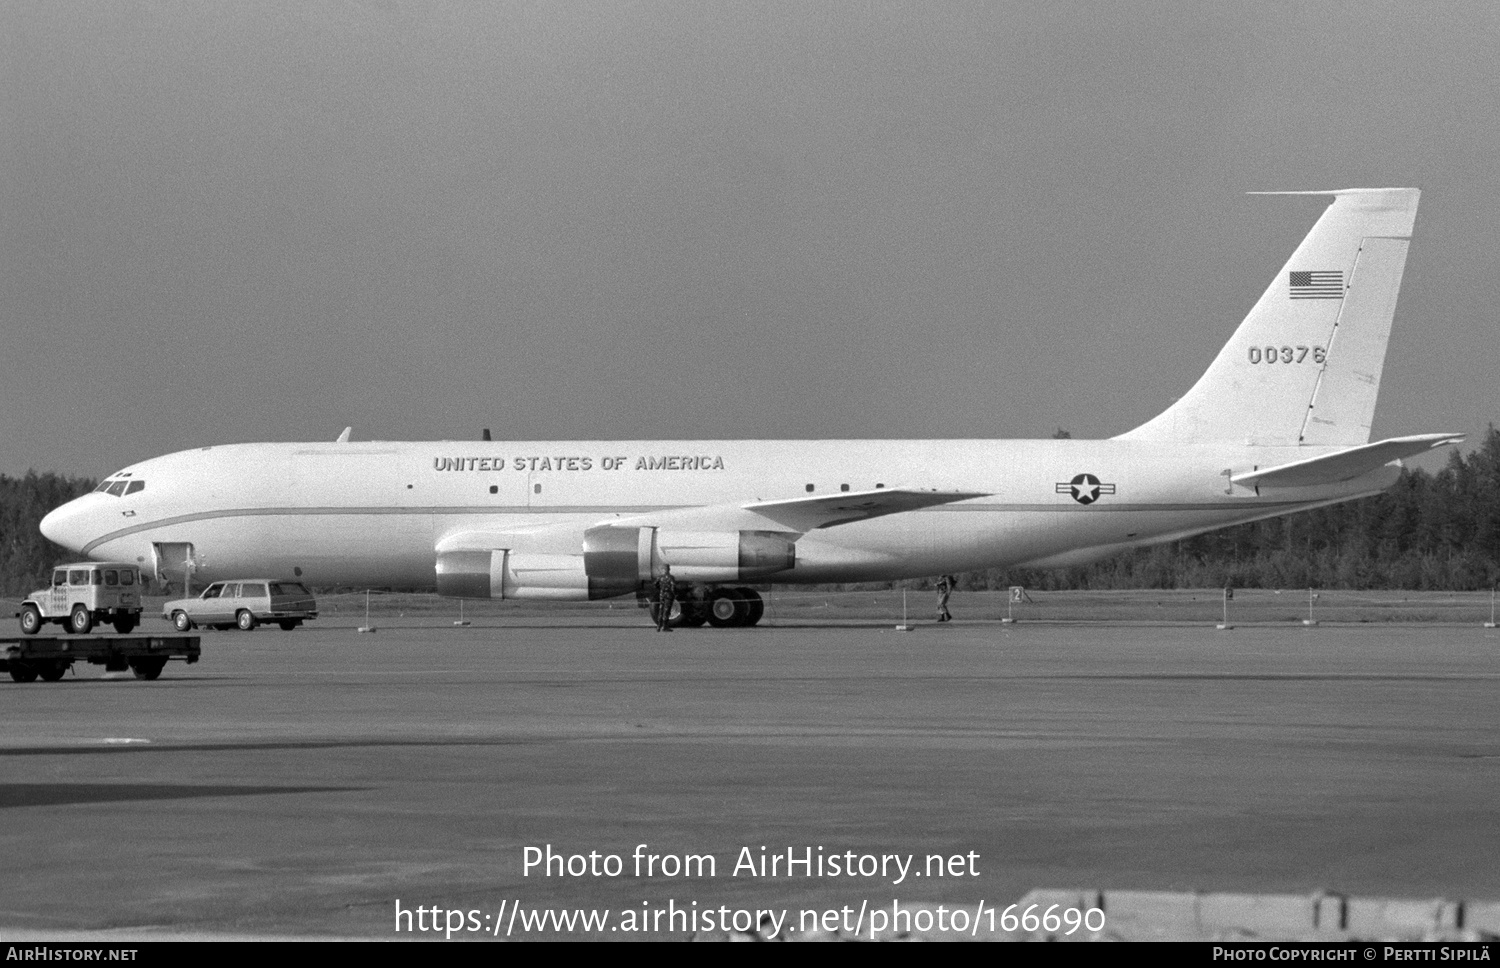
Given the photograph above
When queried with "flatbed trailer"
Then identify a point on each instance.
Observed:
(49, 657)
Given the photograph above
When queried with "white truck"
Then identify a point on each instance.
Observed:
(85, 594)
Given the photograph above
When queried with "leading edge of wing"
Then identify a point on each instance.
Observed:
(1345, 465)
(830, 510)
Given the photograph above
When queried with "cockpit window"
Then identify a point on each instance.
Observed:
(103, 486)
(135, 486)
(117, 488)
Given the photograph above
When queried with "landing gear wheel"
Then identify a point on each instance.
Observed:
(31, 620)
(148, 668)
(755, 605)
(52, 671)
(694, 614)
(181, 622)
(22, 671)
(81, 621)
(726, 609)
(245, 621)
(125, 624)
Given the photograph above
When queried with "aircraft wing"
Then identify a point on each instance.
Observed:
(798, 515)
(829, 510)
(1344, 465)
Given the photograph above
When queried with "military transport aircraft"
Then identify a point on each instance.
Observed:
(1280, 422)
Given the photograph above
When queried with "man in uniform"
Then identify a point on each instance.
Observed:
(666, 596)
(944, 589)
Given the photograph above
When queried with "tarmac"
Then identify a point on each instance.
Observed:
(320, 782)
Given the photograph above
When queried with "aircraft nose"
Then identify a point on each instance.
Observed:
(69, 525)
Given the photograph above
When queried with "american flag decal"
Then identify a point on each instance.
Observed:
(1316, 285)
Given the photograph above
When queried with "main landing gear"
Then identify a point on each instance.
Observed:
(722, 608)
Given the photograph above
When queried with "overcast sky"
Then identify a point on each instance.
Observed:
(225, 222)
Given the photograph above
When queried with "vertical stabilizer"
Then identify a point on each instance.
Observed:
(1304, 367)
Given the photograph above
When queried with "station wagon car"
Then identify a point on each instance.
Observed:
(243, 604)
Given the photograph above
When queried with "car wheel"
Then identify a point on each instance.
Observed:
(181, 622)
(31, 620)
(245, 621)
(81, 621)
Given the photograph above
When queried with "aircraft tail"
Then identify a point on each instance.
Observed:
(1304, 367)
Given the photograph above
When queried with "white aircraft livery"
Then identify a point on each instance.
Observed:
(1279, 423)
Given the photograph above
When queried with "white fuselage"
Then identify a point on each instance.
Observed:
(376, 513)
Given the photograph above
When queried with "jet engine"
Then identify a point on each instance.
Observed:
(615, 561)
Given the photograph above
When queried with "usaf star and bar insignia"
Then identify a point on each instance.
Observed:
(1084, 488)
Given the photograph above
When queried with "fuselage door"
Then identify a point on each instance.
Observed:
(175, 562)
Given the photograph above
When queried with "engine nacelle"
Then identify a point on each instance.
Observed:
(616, 561)
(503, 574)
(714, 556)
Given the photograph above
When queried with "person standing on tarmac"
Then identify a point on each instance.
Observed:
(944, 589)
(666, 596)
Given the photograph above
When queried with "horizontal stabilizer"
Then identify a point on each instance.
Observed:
(1344, 465)
(826, 510)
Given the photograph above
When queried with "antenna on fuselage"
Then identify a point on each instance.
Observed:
(486, 434)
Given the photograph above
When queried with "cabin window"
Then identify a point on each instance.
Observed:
(252, 591)
(111, 577)
(79, 577)
(536, 488)
(843, 487)
(809, 488)
(60, 577)
(494, 489)
(127, 577)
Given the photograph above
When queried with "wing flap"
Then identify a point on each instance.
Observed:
(1344, 465)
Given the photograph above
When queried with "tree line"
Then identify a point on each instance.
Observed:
(1428, 532)
(26, 558)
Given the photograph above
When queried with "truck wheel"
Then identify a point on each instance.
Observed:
(181, 622)
(287, 624)
(245, 620)
(125, 624)
(81, 621)
(52, 671)
(148, 668)
(31, 620)
(22, 671)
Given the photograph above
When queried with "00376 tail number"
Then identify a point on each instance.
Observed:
(1287, 354)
